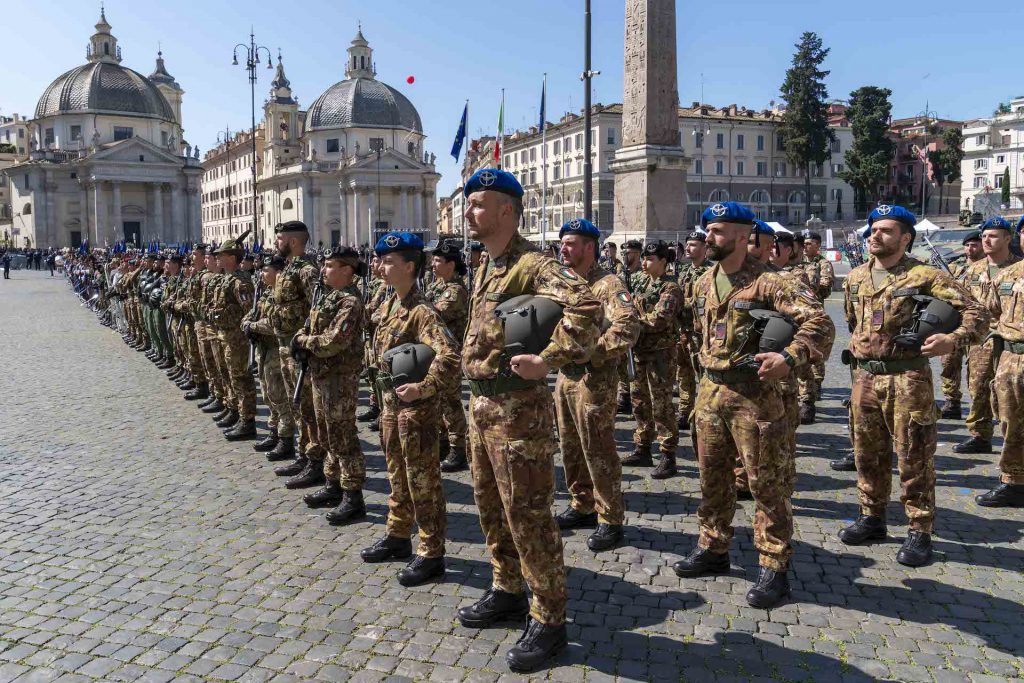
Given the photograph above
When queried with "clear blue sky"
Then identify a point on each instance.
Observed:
(957, 56)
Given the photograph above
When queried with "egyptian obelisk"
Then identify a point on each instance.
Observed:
(650, 167)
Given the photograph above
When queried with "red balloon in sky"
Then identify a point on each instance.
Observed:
(410, 80)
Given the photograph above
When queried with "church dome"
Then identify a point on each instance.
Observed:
(104, 87)
(362, 103)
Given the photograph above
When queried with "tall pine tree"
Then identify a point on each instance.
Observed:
(1006, 187)
(804, 128)
(867, 161)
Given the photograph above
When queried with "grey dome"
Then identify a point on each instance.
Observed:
(104, 88)
(362, 103)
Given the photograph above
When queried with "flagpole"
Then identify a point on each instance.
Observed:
(500, 149)
(544, 174)
(465, 233)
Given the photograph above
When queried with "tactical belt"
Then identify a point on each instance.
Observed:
(501, 384)
(1014, 347)
(889, 367)
(576, 371)
(732, 376)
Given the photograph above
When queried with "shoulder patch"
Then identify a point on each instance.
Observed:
(854, 288)
(624, 297)
(1005, 288)
(568, 274)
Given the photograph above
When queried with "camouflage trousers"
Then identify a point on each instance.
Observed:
(652, 401)
(1009, 385)
(272, 385)
(408, 435)
(585, 405)
(790, 404)
(895, 412)
(223, 373)
(193, 359)
(952, 366)
(808, 379)
(454, 417)
(334, 402)
(745, 420)
(512, 461)
(155, 339)
(236, 361)
(686, 379)
(206, 337)
(980, 374)
(303, 417)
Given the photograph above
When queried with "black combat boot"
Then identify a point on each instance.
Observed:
(640, 457)
(743, 493)
(683, 423)
(387, 548)
(607, 536)
(1003, 496)
(975, 444)
(165, 364)
(847, 463)
(625, 406)
(284, 449)
(666, 467)
(267, 443)
(456, 461)
(328, 496)
(187, 385)
(951, 410)
(916, 550)
(370, 414)
(539, 643)
(199, 393)
(770, 589)
(495, 605)
(242, 431)
(866, 528)
(443, 448)
(214, 406)
(175, 372)
(293, 468)
(375, 425)
(352, 508)
(571, 518)
(421, 570)
(311, 475)
(807, 413)
(701, 562)
(229, 420)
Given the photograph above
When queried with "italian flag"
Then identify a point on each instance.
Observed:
(499, 139)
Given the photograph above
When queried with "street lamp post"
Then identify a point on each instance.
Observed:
(225, 137)
(925, 116)
(252, 58)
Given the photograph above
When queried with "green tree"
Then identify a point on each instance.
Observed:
(804, 127)
(867, 161)
(945, 162)
(1005, 199)
(7, 148)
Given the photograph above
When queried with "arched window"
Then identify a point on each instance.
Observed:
(759, 197)
(719, 196)
(26, 210)
(106, 48)
(796, 197)
(287, 204)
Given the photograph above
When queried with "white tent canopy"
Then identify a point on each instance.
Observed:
(923, 227)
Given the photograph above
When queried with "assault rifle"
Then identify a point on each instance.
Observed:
(303, 356)
(252, 317)
(937, 259)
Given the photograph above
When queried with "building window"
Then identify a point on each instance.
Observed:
(720, 168)
(762, 168)
(533, 154)
(698, 167)
(720, 141)
(76, 133)
(780, 143)
(48, 137)
(1001, 159)
(332, 145)
(780, 169)
(533, 175)
(698, 139)
(123, 132)
(287, 204)
(739, 142)
(835, 146)
(568, 169)
(979, 182)
(579, 140)
(568, 145)
(611, 136)
(999, 181)
(556, 147)
(739, 168)
(836, 170)
(980, 164)
(376, 145)
(21, 133)
(26, 210)
(506, 160)
(522, 157)
(980, 140)
(557, 172)
(760, 143)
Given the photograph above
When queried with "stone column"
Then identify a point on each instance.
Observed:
(357, 234)
(99, 209)
(371, 211)
(417, 208)
(177, 224)
(83, 211)
(50, 238)
(345, 223)
(117, 225)
(158, 211)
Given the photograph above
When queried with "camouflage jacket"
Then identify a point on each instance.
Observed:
(978, 281)
(209, 282)
(522, 269)
(800, 273)
(820, 275)
(232, 300)
(875, 317)
(726, 326)
(260, 320)
(413, 320)
(332, 335)
(293, 296)
(451, 300)
(658, 302)
(621, 325)
(1005, 299)
(688, 276)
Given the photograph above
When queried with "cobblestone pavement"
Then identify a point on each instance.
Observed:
(136, 544)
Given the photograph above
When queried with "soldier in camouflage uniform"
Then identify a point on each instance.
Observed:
(378, 293)
(631, 274)
(739, 404)
(333, 344)
(611, 261)
(657, 298)
(185, 307)
(892, 400)
(697, 264)
(952, 363)
(233, 301)
(821, 276)
(511, 440)
(410, 415)
(451, 300)
(585, 398)
(209, 281)
(996, 234)
(293, 297)
(1005, 299)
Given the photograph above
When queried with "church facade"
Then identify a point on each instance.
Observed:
(107, 159)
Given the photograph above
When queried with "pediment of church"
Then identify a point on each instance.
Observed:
(134, 150)
(388, 161)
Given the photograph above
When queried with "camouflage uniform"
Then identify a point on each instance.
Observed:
(820, 277)
(739, 415)
(184, 308)
(409, 431)
(233, 300)
(585, 401)
(1005, 299)
(293, 296)
(686, 373)
(332, 339)
(894, 408)
(208, 281)
(980, 370)
(658, 303)
(451, 300)
(268, 363)
(378, 293)
(510, 437)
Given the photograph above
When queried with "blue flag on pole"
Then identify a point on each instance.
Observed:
(543, 98)
(460, 135)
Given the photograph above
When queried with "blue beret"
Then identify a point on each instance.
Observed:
(580, 226)
(398, 241)
(762, 228)
(996, 223)
(1020, 224)
(893, 213)
(493, 179)
(727, 212)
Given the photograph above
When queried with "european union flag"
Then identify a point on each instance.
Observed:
(460, 136)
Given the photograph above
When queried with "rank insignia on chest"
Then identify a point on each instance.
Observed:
(854, 289)
(345, 326)
(1005, 288)
(876, 318)
(720, 331)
